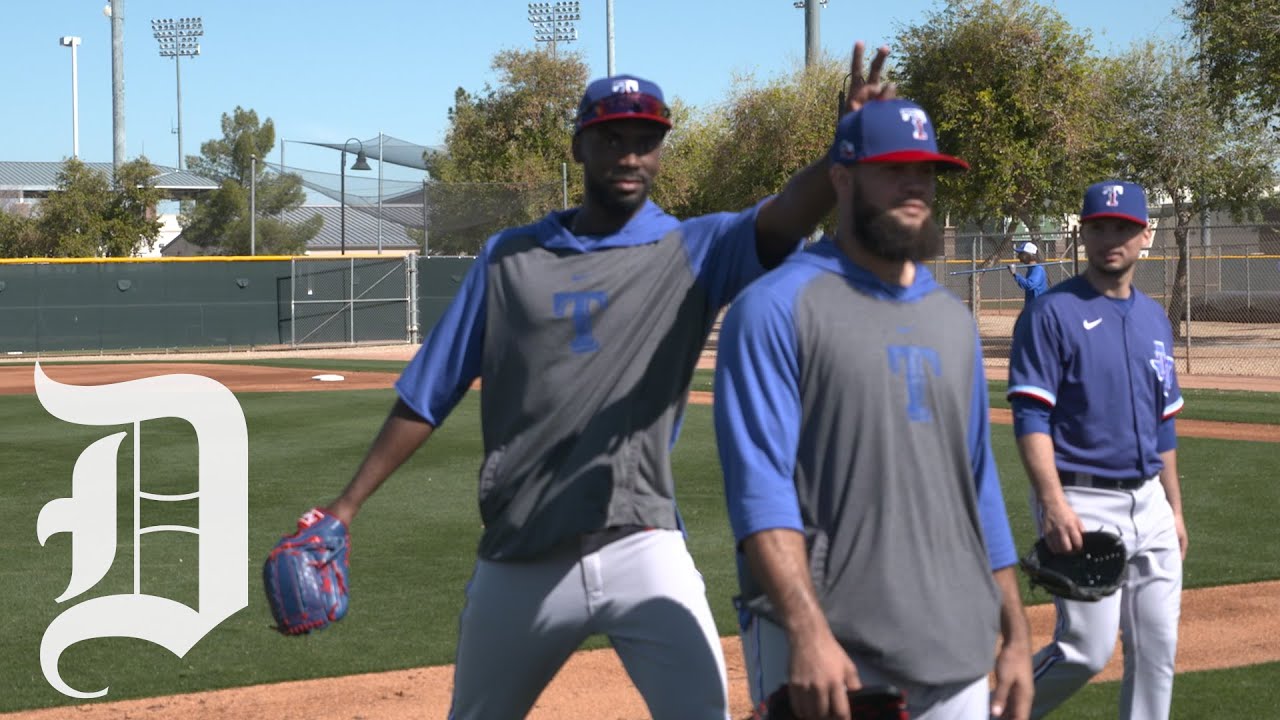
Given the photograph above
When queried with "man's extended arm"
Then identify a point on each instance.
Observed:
(403, 432)
(808, 196)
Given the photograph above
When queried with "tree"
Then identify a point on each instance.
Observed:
(505, 149)
(1167, 137)
(131, 223)
(1239, 52)
(220, 221)
(19, 236)
(519, 131)
(688, 161)
(70, 219)
(1007, 84)
(89, 215)
(766, 134)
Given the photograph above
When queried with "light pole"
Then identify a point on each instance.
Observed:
(72, 42)
(608, 28)
(811, 26)
(361, 163)
(178, 38)
(554, 22)
(253, 204)
(115, 11)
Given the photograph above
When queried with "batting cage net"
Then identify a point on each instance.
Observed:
(441, 218)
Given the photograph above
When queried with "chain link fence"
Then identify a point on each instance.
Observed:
(350, 300)
(1226, 319)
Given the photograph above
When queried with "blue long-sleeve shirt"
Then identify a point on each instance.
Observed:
(1035, 284)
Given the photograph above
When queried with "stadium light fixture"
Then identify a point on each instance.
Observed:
(555, 22)
(178, 38)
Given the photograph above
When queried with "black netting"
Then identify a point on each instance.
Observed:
(390, 150)
(458, 217)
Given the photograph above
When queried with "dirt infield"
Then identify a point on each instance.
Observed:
(1221, 627)
(20, 379)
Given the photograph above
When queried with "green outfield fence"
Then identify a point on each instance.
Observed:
(74, 306)
(1228, 317)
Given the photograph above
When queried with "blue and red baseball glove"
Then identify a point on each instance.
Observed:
(307, 573)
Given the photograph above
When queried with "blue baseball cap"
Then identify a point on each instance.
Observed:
(885, 131)
(1115, 199)
(622, 97)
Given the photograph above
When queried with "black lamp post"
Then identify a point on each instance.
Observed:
(361, 163)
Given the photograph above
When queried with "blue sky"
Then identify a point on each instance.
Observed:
(327, 70)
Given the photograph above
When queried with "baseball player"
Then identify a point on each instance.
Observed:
(851, 416)
(1036, 283)
(1094, 395)
(585, 328)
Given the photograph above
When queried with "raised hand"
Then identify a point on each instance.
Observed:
(865, 88)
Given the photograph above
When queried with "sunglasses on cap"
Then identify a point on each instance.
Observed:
(624, 106)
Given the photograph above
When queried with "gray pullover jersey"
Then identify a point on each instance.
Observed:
(585, 348)
(855, 412)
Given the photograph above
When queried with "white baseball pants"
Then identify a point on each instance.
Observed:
(1145, 610)
(766, 654)
(522, 620)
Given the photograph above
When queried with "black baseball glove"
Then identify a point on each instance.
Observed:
(1092, 573)
(877, 702)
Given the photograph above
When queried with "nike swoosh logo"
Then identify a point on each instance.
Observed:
(1091, 324)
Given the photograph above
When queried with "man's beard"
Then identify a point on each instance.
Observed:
(603, 195)
(880, 234)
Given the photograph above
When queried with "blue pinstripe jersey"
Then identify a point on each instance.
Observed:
(1105, 369)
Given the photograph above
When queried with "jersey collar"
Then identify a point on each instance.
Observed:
(647, 225)
(828, 256)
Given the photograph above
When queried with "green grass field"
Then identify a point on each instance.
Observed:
(413, 546)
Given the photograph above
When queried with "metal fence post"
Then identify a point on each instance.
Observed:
(293, 310)
(1248, 285)
(973, 277)
(253, 198)
(1187, 282)
(426, 232)
(1219, 249)
(351, 298)
(1075, 251)
(411, 307)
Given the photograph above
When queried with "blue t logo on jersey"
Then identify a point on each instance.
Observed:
(1162, 363)
(582, 304)
(914, 363)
